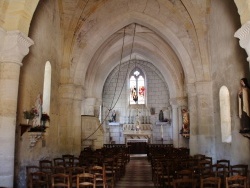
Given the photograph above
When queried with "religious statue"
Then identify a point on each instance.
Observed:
(38, 107)
(113, 116)
(244, 107)
(185, 121)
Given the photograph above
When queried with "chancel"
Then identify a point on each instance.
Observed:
(85, 82)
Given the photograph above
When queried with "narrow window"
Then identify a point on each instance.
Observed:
(137, 87)
(225, 116)
(47, 88)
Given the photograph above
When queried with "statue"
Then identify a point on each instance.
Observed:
(38, 108)
(244, 107)
(185, 121)
(161, 116)
(113, 116)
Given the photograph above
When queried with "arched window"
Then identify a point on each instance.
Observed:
(137, 87)
(225, 116)
(47, 88)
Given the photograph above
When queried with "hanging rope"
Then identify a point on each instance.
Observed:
(111, 105)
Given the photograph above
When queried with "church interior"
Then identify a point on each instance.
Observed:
(79, 75)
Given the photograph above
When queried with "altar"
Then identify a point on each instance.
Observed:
(137, 133)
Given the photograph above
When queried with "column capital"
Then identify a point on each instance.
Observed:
(244, 35)
(180, 101)
(15, 45)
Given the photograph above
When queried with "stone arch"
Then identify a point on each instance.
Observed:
(162, 31)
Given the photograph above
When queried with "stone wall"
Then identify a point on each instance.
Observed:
(45, 32)
(229, 65)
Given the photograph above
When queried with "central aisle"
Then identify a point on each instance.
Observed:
(138, 173)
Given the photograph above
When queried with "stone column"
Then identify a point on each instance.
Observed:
(192, 106)
(177, 104)
(14, 46)
(76, 121)
(244, 35)
(201, 120)
(70, 118)
(175, 124)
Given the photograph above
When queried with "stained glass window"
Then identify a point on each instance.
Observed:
(137, 87)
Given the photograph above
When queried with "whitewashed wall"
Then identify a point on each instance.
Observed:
(157, 97)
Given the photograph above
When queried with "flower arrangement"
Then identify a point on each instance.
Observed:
(45, 117)
(30, 114)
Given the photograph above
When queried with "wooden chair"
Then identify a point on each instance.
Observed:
(210, 182)
(59, 169)
(73, 172)
(168, 173)
(59, 161)
(236, 181)
(100, 175)
(38, 179)
(60, 180)
(110, 172)
(186, 173)
(47, 167)
(85, 180)
(225, 163)
(68, 160)
(30, 169)
(199, 156)
(239, 169)
(222, 172)
(75, 161)
(184, 183)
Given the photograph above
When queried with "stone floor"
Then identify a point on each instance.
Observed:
(138, 173)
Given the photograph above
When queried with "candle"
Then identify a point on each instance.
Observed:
(161, 132)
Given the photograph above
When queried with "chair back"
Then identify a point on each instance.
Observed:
(236, 181)
(210, 182)
(30, 169)
(46, 166)
(85, 180)
(60, 180)
(240, 169)
(38, 179)
(184, 183)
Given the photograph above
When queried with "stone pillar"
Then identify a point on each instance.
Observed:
(76, 121)
(177, 104)
(244, 35)
(14, 46)
(70, 118)
(192, 106)
(202, 119)
(175, 124)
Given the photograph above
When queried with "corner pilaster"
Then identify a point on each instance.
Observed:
(14, 46)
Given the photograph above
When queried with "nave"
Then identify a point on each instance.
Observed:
(162, 166)
(138, 173)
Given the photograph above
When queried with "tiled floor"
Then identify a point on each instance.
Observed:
(138, 173)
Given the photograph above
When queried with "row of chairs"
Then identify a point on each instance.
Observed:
(96, 177)
(166, 168)
(68, 166)
(211, 182)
